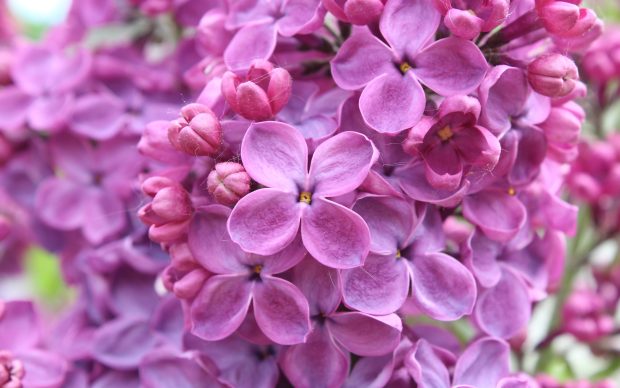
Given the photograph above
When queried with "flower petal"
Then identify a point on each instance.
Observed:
(408, 25)
(425, 367)
(392, 102)
(320, 285)
(379, 287)
(499, 214)
(275, 155)
(164, 368)
(221, 306)
(14, 106)
(98, 116)
(317, 363)
(504, 310)
(334, 235)
(50, 113)
(19, 327)
(265, 221)
(121, 344)
(451, 66)
(413, 181)
(364, 334)
(254, 41)
(341, 163)
(481, 254)
(43, 369)
(442, 287)
(281, 311)
(483, 363)
(362, 58)
(60, 203)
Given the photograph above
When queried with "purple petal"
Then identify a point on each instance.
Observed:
(408, 25)
(284, 260)
(320, 285)
(98, 116)
(301, 17)
(425, 367)
(443, 167)
(341, 163)
(19, 327)
(413, 181)
(163, 368)
(43, 369)
(451, 66)
(221, 306)
(364, 334)
(481, 255)
(362, 58)
(61, 203)
(281, 311)
(483, 363)
(504, 310)
(442, 287)
(502, 95)
(390, 220)
(379, 287)
(317, 363)
(532, 149)
(265, 221)
(254, 41)
(334, 235)
(122, 343)
(210, 243)
(371, 372)
(14, 106)
(50, 112)
(275, 155)
(117, 379)
(499, 214)
(392, 102)
(104, 217)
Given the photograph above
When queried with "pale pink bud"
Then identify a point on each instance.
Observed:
(553, 75)
(262, 95)
(463, 23)
(362, 12)
(197, 132)
(170, 211)
(558, 17)
(188, 286)
(228, 183)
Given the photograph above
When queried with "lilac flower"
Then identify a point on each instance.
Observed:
(322, 359)
(242, 279)
(43, 94)
(406, 253)
(267, 220)
(393, 99)
(21, 362)
(467, 19)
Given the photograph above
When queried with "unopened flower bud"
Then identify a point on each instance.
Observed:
(263, 94)
(362, 12)
(558, 17)
(197, 132)
(552, 75)
(170, 211)
(228, 183)
(463, 23)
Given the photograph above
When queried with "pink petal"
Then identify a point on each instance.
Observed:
(14, 106)
(341, 163)
(444, 169)
(362, 58)
(391, 222)
(221, 306)
(371, 372)
(281, 311)
(275, 155)
(104, 215)
(98, 116)
(364, 334)
(334, 235)
(392, 102)
(165, 368)
(442, 287)
(413, 181)
(254, 41)
(19, 326)
(284, 260)
(252, 102)
(61, 203)
(504, 310)
(49, 113)
(483, 363)
(408, 25)
(320, 285)
(379, 287)
(499, 214)
(122, 343)
(451, 66)
(265, 221)
(210, 243)
(425, 367)
(301, 17)
(317, 363)
(481, 255)
(43, 369)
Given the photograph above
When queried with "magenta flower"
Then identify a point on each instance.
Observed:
(242, 279)
(323, 359)
(406, 253)
(466, 19)
(393, 99)
(267, 220)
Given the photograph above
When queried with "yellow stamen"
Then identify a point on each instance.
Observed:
(512, 191)
(404, 67)
(306, 197)
(398, 254)
(257, 269)
(445, 133)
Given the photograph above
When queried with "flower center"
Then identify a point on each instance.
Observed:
(257, 269)
(11, 370)
(404, 67)
(306, 197)
(445, 133)
(512, 191)
(398, 254)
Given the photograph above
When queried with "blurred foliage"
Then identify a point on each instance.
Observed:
(43, 270)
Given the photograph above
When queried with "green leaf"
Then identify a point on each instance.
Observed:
(43, 269)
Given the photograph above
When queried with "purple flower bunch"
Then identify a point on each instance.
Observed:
(309, 193)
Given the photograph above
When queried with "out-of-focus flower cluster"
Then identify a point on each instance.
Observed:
(315, 193)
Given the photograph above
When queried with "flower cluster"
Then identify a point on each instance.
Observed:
(316, 193)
